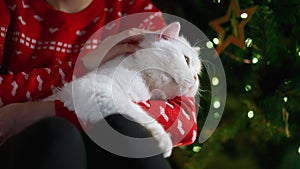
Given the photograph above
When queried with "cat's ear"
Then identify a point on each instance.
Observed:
(170, 31)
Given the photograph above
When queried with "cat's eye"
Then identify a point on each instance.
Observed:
(187, 59)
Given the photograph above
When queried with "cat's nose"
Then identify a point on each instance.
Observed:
(195, 77)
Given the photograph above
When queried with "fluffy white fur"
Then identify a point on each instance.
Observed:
(165, 67)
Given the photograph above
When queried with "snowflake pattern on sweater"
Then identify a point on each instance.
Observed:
(41, 46)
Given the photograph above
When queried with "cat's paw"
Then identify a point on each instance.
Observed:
(162, 137)
(165, 143)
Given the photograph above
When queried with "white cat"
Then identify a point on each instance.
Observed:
(166, 66)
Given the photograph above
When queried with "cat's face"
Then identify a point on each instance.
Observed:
(177, 59)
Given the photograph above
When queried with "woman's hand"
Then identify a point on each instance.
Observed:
(125, 42)
(17, 116)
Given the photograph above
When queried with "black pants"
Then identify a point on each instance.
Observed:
(54, 143)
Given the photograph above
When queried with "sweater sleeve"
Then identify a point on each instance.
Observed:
(27, 85)
(177, 116)
(34, 84)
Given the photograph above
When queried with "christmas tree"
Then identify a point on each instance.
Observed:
(258, 42)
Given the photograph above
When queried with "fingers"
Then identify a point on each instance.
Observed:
(132, 34)
(131, 42)
(135, 39)
(125, 42)
(128, 48)
(120, 49)
(134, 31)
(128, 43)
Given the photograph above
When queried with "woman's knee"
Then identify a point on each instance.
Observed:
(57, 134)
(56, 128)
(127, 126)
(49, 143)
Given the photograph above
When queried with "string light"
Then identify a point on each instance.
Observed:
(285, 99)
(254, 60)
(287, 82)
(216, 41)
(250, 114)
(244, 15)
(196, 149)
(217, 104)
(247, 61)
(216, 115)
(248, 42)
(299, 150)
(209, 44)
(258, 56)
(215, 81)
(217, 1)
(248, 88)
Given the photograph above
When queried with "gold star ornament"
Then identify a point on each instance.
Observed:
(238, 19)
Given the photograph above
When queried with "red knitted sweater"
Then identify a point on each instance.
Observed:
(39, 46)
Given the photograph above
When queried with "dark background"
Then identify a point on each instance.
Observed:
(263, 78)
